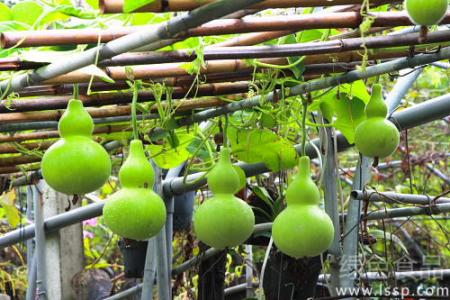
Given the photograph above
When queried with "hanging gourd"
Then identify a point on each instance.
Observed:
(303, 229)
(135, 211)
(224, 220)
(76, 164)
(426, 12)
(376, 136)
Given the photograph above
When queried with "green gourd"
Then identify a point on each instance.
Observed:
(376, 136)
(224, 220)
(426, 12)
(76, 164)
(303, 229)
(135, 211)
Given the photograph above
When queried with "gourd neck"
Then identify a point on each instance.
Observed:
(376, 108)
(137, 172)
(75, 121)
(223, 178)
(302, 190)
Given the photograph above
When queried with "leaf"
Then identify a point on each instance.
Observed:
(27, 12)
(96, 72)
(262, 145)
(132, 5)
(345, 104)
(167, 157)
(7, 201)
(5, 13)
(349, 114)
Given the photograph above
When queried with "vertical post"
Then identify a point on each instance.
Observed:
(249, 271)
(149, 271)
(162, 273)
(40, 253)
(29, 215)
(330, 182)
(65, 251)
(349, 259)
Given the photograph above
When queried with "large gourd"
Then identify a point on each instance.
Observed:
(135, 211)
(76, 164)
(224, 220)
(303, 229)
(426, 12)
(376, 136)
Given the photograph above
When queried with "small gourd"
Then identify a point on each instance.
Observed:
(426, 12)
(224, 220)
(135, 211)
(76, 164)
(376, 136)
(303, 229)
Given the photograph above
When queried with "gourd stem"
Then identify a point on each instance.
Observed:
(133, 109)
(76, 91)
(305, 111)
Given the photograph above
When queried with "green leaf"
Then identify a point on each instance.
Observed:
(97, 72)
(27, 12)
(345, 104)
(167, 157)
(132, 5)
(7, 201)
(262, 145)
(5, 13)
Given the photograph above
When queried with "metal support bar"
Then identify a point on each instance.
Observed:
(389, 197)
(149, 271)
(41, 269)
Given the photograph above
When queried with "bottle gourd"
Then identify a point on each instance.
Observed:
(135, 211)
(302, 229)
(426, 12)
(376, 136)
(224, 220)
(76, 164)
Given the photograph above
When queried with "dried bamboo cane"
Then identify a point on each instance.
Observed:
(51, 134)
(101, 99)
(217, 27)
(116, 6)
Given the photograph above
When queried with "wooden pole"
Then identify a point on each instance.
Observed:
(216, 27)
(116, 6)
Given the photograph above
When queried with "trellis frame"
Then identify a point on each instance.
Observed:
(406, 119)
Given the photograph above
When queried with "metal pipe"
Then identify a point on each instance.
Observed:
(30, 242)
(40, 253)
(31, 287)
(127, 43)
(390, 197)
(330, 177)
(149, 271)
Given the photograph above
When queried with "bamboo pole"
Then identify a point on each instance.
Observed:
(216, 27)
(101, 99)
(127, 43)
(44, 135)
(116, 6)
(227, 59)
(181, 106)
